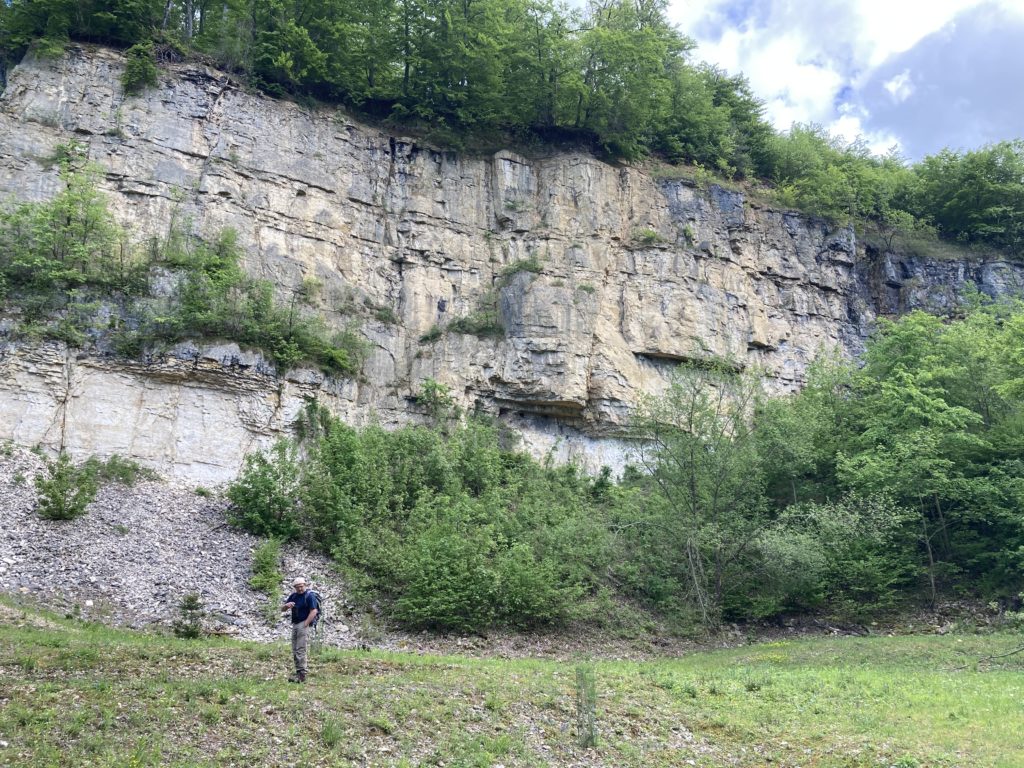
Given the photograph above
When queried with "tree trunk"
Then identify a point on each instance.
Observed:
(931, 560)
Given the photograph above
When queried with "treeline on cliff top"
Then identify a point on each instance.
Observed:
(876, 488)
(615, 76)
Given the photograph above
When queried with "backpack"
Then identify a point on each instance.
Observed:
(319, 606)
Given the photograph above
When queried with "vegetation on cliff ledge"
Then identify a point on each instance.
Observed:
(68, 272)
(615, 76)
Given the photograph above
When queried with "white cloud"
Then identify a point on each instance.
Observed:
(806, 58)
(849, 126)
(900, 87)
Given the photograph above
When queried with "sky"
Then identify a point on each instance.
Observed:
(918, 75)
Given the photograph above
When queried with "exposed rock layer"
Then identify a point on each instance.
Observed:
(636, 273)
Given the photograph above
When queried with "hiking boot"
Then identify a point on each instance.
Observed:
(298, 677)
(302, 677)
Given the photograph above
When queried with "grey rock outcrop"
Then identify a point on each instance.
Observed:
(635, 273)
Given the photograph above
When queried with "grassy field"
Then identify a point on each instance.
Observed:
(76, 694)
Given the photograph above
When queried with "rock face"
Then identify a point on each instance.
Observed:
(603, 276)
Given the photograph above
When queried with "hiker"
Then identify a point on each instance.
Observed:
(304, 607)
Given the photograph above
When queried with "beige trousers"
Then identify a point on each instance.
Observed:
(300, 641)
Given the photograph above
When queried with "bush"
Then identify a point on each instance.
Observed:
(484, 324)
(140, 68)
(446, 582)
(118, 469)
(189, 624)
(65, 490)
(265, 496)
(444, 525)
(266, 576)
(529, 591)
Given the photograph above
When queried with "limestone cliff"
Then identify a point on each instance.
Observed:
(635, 273)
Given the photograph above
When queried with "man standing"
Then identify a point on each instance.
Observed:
(304, 608)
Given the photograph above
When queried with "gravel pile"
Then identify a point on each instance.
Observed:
(139, 550)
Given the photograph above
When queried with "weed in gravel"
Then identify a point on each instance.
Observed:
(382, 723)
(118, 469)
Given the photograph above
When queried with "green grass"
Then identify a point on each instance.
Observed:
(80, 694)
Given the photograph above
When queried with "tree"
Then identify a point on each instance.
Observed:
(976, 197)
(65, 491)
(931, 422)
(698, 447)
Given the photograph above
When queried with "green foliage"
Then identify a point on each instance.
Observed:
(872, 487)
(118, 469)
(189, 623)
(65, 267)
(530, 264)
(927, 422)
(139, 69)
(446, 582)
(647, 237)
(266, 573)
(432, 335)
(64, 490)
(54, 253)
(437, 400)
(704, 492)
(216, 299)
(483, 323)
(265, 496)
(854, 557)
(452, 530)
(614, 75)
(974, 197)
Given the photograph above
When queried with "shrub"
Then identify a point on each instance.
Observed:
(266, 576)
(140, 68)
(862, 552)
(484, 324)
(118, 469)
(432, 335)
(446, 581)
(65, 490)
(266, 494)
(529, 264)
(386, 315)
(449, 528)
(189, 624)
(529, 591)
(647, 236)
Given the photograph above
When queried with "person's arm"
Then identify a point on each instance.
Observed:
(312, 616)
(287, 606)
